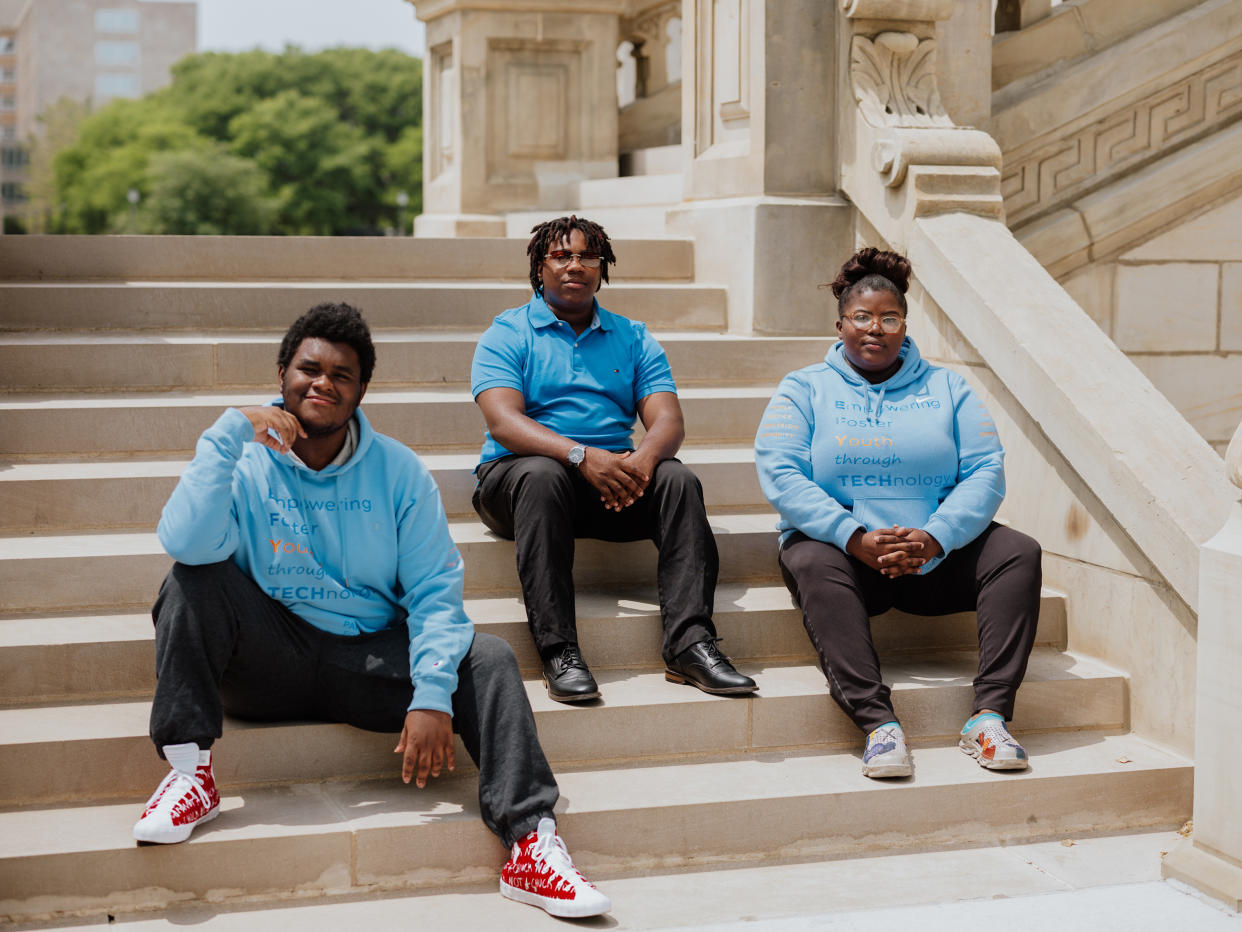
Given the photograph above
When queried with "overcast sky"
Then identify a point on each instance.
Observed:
(233, 25)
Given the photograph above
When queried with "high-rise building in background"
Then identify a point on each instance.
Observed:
(85, 50)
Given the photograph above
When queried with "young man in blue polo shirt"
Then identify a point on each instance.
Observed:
(560, 382)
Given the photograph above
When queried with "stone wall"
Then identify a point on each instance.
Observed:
(1174, 305)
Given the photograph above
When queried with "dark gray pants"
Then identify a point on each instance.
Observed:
(542, 505)
(997, 575)
(221, 644)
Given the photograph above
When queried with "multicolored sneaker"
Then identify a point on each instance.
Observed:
(541, 873)
(987, 740)
(185, 798)
(885, 754)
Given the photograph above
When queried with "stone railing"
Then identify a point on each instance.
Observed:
(1139, 490)
(653, 117)
(1211, 859)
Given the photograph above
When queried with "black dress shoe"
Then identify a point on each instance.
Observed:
(704, 666)
(567, 676)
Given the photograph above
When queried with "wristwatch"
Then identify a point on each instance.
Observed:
(576, 455)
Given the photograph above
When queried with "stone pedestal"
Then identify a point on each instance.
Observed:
(1211, 860)
(758, 140)
(519, 105)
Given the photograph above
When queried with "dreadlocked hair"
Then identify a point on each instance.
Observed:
(871, 269)
(550, 234)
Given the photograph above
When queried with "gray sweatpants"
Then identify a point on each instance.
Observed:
(222, 644)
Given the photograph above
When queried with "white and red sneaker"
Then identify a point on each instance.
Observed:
(541, 873)
(185, 798)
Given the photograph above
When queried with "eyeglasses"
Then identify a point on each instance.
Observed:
(562, 260)
(889, 323)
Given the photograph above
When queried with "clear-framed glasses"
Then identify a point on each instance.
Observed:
(889, 323)
(562, 259)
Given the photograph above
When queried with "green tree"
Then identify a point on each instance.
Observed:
(61, 123)
(205, 191)
(334, 134)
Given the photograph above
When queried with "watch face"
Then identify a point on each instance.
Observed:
(576, 455)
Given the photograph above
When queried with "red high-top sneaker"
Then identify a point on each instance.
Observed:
(541, 873)
(185, 798)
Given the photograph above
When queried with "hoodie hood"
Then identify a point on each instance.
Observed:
(913, 367)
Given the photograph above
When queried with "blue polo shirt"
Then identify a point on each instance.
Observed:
(585, 387)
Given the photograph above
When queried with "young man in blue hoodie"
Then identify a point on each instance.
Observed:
(316, 579)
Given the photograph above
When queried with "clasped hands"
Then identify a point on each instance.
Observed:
(895, 551)
(621, 478)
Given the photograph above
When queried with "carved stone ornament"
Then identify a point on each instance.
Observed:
(894, 77)
(1233, 458)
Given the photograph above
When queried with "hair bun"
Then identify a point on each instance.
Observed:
(871, 261)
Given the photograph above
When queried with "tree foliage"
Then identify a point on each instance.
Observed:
(322, 143)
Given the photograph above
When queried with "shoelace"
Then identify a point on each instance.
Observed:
(550, 851)
(174, 779)
(713, 651)
(996, 733)
(570, 656)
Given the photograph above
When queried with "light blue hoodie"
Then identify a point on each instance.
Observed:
(350, 549)
(836, 453)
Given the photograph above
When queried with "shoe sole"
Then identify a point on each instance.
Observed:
(552, 907)
(569, 697)
(968, 747)
(183, 832)
(886, 771)
(714, 691)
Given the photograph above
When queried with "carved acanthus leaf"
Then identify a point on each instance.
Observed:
(894, 77)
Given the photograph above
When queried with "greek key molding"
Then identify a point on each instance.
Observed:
(894, 77)
(1038, 179)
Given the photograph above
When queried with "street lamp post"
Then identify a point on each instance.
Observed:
(133, 197)
(403, 201)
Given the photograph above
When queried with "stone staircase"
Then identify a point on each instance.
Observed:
(118, 352)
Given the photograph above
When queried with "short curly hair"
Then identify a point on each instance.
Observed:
(872, 269)
(336, 323)
(552, 233)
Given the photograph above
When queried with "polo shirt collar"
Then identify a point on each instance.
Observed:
(541, 315)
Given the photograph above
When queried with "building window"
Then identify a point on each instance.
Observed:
(116, 85)
(8, 133)
(8, 103)
(7, 45)
(116, 53)
(116, 21)
(11, 191)
(8, 75)
(12, 157)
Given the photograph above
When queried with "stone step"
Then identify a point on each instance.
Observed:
(632, 191)
(368, 837)
(272, 305)
(657, 160)
(179, 361)
(123, 569)
(427, 419)
(102, 751)
(80, 658)
(71, 496)
(646, 222)
(312, 258)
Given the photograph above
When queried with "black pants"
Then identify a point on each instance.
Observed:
(997, 575)
(542, 505)
(222, 644)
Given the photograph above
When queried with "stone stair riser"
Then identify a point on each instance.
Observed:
(125, 668)
(128, 768)
(457, 424)
(273, 306)
(251, 365)
(320, 853)
(309, 258)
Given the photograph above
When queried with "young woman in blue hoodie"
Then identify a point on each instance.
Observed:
(887, 473)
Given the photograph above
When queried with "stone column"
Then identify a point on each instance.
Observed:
(519, 104)
(1211, 859)
(759, 145)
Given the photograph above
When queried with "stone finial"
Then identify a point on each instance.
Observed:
(1233, 458)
